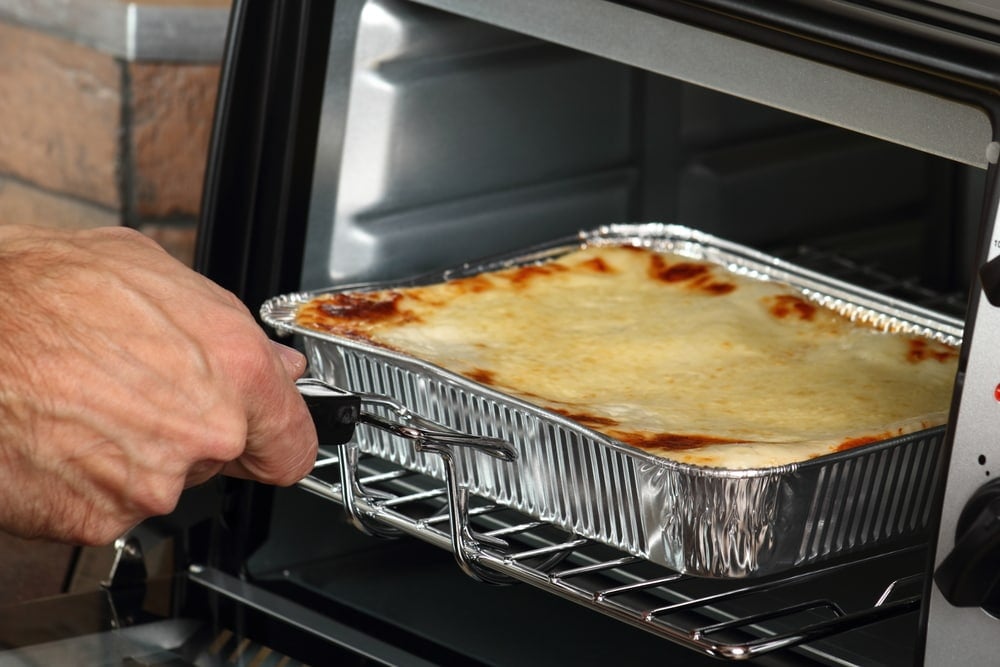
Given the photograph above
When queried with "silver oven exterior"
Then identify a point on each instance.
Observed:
(369, 139)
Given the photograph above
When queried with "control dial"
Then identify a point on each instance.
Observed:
(970, 575)
(989, 277)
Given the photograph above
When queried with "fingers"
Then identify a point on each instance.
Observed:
(293, 360)
(281, 439)
(151, 378)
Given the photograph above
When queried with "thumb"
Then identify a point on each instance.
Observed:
(293, 361)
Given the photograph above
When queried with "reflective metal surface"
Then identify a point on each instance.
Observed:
(809, 88)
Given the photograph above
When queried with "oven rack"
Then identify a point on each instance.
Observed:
(731, 620)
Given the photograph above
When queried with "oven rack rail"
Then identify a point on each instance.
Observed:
(730, 620)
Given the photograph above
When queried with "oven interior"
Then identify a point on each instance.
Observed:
(444, 139)
(418, 138)
(449, 139)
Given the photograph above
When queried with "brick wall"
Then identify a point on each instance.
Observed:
(89, 139)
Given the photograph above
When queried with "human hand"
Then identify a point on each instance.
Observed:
(125, 377)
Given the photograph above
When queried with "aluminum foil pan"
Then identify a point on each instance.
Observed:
(711, 522)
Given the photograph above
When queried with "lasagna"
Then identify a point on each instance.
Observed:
(682, 358)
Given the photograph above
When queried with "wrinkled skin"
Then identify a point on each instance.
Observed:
(125, 377)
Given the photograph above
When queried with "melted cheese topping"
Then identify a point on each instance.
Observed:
(681, 358)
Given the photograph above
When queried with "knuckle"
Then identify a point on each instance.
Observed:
(228, 438)
(158, 499)
(235, 302)
(252, 365)
(222, 432)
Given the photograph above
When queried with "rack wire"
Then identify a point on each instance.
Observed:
(731, 620)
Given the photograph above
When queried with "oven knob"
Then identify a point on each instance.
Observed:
(989, 276)
(970, 575)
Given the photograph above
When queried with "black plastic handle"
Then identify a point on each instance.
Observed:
(989, 276)
(334, 411)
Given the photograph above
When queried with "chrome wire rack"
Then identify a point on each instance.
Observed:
(726, 619)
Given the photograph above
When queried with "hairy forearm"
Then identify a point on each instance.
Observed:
(124, 378)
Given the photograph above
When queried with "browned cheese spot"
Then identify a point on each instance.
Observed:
(520, 276)
(923, 350)
(597, 265)
(344, 312)
(671, 441)
(472, 285)
(374, 306)
(588, 419)
(787, 306)
(851, 443)
(698, 276)
(481, 376)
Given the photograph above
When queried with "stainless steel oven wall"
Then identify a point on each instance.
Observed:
(445, 138)
(464, 138)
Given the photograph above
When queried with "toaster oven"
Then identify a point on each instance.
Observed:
(373, 140)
